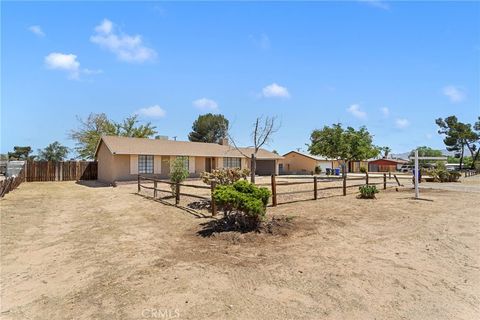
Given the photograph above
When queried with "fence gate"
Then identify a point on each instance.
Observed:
(61, 170)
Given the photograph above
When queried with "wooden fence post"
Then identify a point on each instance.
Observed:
(138, 183)
(344, 183)
(315, 189)
(274, 191)
(389, 174)
(396, 179)
(366, 178)
(154, 188)
(177, 193)
(214, 205)
(465, 174)
(384, 181)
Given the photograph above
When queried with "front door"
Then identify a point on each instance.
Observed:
(165, 166)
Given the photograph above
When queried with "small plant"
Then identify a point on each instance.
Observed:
(318, 170)
(178, 173)
(244, 204)
(225, 176)
(368, 192)
(363, 170)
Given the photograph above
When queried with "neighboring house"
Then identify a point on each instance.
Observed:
(385, 165)
(123, 158)
(295, 162)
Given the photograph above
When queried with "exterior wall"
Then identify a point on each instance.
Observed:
(295, 163)
(105, 164)
(122, 168)
(219, 162)
(199, 165)
(382, 165)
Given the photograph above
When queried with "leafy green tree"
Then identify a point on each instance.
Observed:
(343, 144)
(209, 128)
(95, 126)
(386, 151)
(21, 153)
(458, 135)
(54, 152)
(425, 151)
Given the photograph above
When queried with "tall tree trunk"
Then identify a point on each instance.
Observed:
(474, 159)
(253, 168)
(461, 156)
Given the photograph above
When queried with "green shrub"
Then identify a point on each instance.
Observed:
(443, 175)
(363, 170)
(318, 170)
(224, 176)
(368, 192)
(244, 202)
(178, 173)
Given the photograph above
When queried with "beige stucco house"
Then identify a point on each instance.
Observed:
(123, 158)
(295, 162)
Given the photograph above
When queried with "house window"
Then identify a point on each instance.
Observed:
(145, 164)
(232, 162)
(185, 161)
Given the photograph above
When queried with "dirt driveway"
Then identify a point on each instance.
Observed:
(70, 251)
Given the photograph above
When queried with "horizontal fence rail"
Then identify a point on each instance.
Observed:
(176, 190)
(61, 170)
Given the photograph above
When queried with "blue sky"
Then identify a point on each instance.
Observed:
(391, 66)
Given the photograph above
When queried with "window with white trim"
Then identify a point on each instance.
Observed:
(232, 163)
(145, 164)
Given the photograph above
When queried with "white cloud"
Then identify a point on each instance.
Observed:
(355, 110)
(205, 104)
(262, 41)
(385, 111)
(125, 47)
(377, 4)
(152, 112)
(37, 30)
(65, 62)
(275, 91)
(402, 123)
(455, 94)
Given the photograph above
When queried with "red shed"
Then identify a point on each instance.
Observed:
(382, 165)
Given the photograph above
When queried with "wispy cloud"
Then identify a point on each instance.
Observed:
(64, 62)
(37, 30)
(262, 41)
(402, 123)
(275, 90)
(377, 4)
(152, 112)
(385, 111)
(68, 63)
(125, 47)
(205, 104)
(454, 93)
(355, 110)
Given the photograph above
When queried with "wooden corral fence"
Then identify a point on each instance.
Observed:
(178, 187)
(11, 183)
(61, 170)
(315, 180)
(470, 173)
(175, 190)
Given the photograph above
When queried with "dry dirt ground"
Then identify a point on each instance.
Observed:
(70, 251)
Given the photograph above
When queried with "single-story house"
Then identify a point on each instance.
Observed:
(295, 162)
(123, 158)
(385, 165)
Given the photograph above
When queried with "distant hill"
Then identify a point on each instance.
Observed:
(405, 155)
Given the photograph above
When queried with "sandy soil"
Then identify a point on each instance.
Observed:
(70, 251)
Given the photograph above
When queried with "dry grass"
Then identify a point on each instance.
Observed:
(72, 251)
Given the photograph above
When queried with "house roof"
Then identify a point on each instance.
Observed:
(393, 161)
(127, 145)
(311, 156)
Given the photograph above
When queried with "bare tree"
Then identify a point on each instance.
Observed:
(262, 132)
